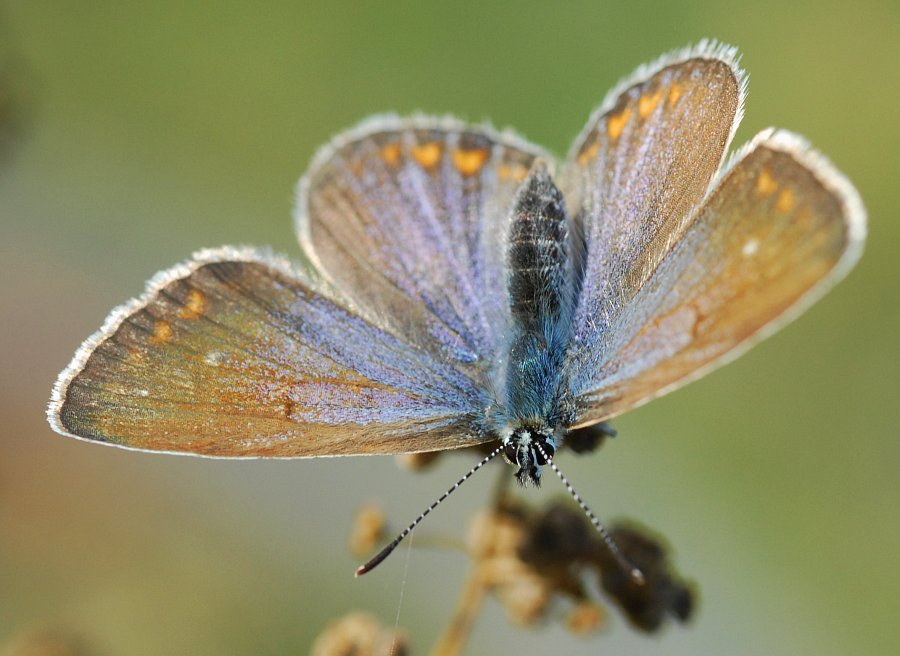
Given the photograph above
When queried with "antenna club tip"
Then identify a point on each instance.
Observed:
(636, 575)
(360, 571)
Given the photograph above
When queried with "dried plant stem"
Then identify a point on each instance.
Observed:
(471, 597)
(457, 632)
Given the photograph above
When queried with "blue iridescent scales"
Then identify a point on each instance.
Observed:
(444, 305)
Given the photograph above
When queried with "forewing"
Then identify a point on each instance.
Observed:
(781, 226)
(638, 171)
(407, 218)
(235, 354)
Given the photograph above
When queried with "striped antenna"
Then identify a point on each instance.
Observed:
(636, 574)
(384, 553)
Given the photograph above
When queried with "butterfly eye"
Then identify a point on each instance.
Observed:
(510, 450)
(543, 455)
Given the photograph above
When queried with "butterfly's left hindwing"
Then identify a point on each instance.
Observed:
(234, 355)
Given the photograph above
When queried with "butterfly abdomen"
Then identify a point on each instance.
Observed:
(540, 284)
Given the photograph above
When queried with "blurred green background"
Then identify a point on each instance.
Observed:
(143, 131)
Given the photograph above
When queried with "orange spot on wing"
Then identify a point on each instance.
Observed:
(647, 104)
(588, 153)
(674, 93)
(765, 184)
(515, 172)
(194, 306)
(469, 162)
(391, 153)
(615, 124)
(162, 332)
(428, 155)
(785, 201)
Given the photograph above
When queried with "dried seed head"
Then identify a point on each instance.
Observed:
(586, 618)
(664, 594)
(359, 634)
(368, 529)
(495, 534)
(526, 599)
(417, 461)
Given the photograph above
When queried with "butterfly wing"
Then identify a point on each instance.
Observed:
(235, 354)
(407, 219)
(780, 227)
(643, 163)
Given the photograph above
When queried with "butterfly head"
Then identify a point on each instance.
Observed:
(529, 447)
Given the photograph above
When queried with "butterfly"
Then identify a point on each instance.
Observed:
(463, 287)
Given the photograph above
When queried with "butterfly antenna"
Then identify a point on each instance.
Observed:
(384, 553)
(636, 574)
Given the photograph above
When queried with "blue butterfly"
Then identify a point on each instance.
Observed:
(462, 287)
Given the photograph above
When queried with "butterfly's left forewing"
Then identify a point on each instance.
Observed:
(778, 229)
(234, 354)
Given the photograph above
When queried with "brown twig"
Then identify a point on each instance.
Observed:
(468, 605)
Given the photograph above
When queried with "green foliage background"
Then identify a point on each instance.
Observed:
(146, 130)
